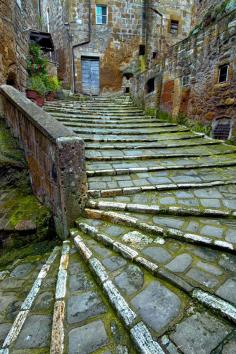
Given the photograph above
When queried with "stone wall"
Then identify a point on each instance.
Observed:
(191, 74)
(54, 17)
(16, 17)
(187, 81)
(55, 156)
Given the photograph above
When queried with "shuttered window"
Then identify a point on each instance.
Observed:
(101, 14)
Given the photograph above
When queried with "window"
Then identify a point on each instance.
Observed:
(150, 86)
(101, 14)
(174, 27)
(223, 73)
(142, 49)
(221, 129)
(154, 55)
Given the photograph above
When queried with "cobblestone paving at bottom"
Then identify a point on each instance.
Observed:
(150, 266)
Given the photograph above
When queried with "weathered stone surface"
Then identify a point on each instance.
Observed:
(200, 333)
(130, 280)
(84, 306)
(35, 333)
(157, 305)
(22, 270)
(228, 291)
(113, 263)
(88, 338)
(157, 254)
(180, 263)
(136, 239)
(202, 277)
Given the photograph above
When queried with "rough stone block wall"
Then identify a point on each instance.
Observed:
(198, 59)
(54, 17)
(55, 156)
(14, 37)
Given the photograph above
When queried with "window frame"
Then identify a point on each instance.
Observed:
(219, 73)
(175, 32)
(102, 16)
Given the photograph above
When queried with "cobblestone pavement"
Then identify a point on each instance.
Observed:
(151, 265)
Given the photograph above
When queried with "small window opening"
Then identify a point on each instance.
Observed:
(150, 86)
(142, 49)
(223, 73)
(127, 90)
(154, 55)
(222, 129)
(174, 27)
(11, 79)
(101, 14)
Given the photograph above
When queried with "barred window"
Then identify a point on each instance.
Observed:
(221, 129)
(174, 27)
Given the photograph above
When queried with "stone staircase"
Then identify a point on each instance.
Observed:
(151, 264)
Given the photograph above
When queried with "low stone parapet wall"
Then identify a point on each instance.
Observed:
(55, 156)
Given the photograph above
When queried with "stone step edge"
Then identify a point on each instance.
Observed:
(153, 146)
(28, 302)
(130, 170)
(57, 334)
(213, 302)
(172, 138)
(156, 210)
(165, 232)
(97, 193)
(139, 333)
(103, 125)
(95, 132)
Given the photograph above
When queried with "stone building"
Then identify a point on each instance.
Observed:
(101, 44)
(196, 77)
(17, 17)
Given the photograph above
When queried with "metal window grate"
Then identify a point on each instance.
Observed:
(174, 27)
(222, 130)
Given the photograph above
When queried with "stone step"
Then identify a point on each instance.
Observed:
(159, 257)
(140, 139)
(30, 327)
(131, 319)
(164, 145)
(99, 119)
(129, 132)
(139, 287)
(126, 191)
(209, 236)
(160, 210)
(108, 125)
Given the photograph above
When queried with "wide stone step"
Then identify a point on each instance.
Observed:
(108, 125)
(128, 132)
(209, 233)
(139, 287)
(139, 138)
(197, 141)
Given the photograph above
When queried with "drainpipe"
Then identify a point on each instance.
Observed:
(78, 45)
